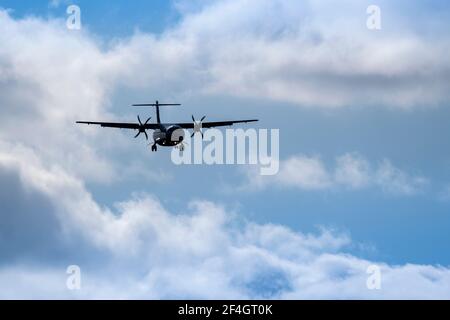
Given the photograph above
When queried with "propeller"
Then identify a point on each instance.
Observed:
(197, 126)
(142, 127)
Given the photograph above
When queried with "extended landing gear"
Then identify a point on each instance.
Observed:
(181, 146)
(154, 148)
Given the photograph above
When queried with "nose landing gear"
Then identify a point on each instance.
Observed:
(154, 148)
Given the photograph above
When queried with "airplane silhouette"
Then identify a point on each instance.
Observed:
(165, 134)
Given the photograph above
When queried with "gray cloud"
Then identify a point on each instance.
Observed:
(29, 226)
(50, 77)
(284, 50)
(203, 252)
(309, 53)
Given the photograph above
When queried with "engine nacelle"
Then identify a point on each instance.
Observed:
(175, 135)
(159, 135)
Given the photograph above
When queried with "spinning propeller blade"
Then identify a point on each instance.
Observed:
(142, 127)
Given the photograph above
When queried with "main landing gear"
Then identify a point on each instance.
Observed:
(180, 147)
(154, 148)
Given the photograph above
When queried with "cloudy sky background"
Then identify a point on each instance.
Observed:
(364, 170)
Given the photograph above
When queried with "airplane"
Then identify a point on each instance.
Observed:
(165, 134)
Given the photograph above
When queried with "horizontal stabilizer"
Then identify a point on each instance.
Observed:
(156, 105)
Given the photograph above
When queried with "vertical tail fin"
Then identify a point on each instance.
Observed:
(158, 118)
(157, 105)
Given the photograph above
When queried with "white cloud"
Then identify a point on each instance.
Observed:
(352, 171)
(300, 52)
(311, 53)
(305, 173)
(50, 77)
(54, 3)
(201, 253)
(393, 180)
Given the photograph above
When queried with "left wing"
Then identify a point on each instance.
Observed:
(135, 126)
(213, 124)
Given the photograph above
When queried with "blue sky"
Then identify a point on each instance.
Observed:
(312, 69)
(105, 18)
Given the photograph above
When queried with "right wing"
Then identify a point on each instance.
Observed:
(208, 125)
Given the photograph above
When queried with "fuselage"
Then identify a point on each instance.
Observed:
(168, 135)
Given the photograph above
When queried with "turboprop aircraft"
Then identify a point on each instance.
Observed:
(165, 134)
